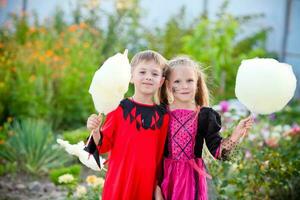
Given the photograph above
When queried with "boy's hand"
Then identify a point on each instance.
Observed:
(158, 194)
(242, 128)
(93, 122)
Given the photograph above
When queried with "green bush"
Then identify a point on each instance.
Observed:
(32, 147)
(56, 173)
(8, 168)
(46, 69)
(76, 136)
(268, 164)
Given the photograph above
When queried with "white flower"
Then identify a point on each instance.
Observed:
(66, 178)
(265, 133)
(99, 182)
(286, 127)
(94, 181)
(80, 191)
(252, 136)
(278, 128)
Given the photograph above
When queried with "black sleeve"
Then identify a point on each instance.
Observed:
(212, 126)
(91, 148)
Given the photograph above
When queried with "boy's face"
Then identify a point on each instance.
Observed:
(147, 78)
(183, 83)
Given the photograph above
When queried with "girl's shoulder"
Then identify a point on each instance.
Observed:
(209, 119)
(208, 111)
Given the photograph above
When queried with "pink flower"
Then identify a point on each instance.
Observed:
(248, 154)
(296, 128)
(272, 142)
(224, 106)
(272, 116)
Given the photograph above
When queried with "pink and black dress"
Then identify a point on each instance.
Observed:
(184, 174)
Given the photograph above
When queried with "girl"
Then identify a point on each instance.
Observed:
(134, 133)
(190, 125)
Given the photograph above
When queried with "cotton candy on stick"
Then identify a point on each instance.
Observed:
(264, 85)
(108, 87)
(110, 83)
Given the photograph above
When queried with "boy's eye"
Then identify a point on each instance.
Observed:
(190, 80)
(176, 81)
(142, 72)
(154, 74)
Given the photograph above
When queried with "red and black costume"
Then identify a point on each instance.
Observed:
(134, 134)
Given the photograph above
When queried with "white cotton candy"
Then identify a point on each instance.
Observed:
(84, 157)
(265, 85)
(110, 83)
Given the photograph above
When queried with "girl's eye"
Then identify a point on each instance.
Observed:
(142, 72)
(176, 81)
(154, 74)
(190, 80)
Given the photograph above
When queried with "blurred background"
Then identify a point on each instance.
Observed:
(49, 51)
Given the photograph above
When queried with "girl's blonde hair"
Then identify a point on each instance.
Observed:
(151, 56)
(202, 93)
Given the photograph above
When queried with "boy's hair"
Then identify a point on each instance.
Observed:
(151, 56)
(202, 93)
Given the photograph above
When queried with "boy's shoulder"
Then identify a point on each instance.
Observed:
(146, 116)
(127, 104)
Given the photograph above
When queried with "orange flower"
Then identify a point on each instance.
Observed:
(66, 50)
(32, 30)
(1, 45)
(32, 78)
(2, 141)
(49, 53)
(73, 28)
(82, 25)
(56, 58)
(42, 58)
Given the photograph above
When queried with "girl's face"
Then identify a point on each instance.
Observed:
(183, 84)
(147, 78)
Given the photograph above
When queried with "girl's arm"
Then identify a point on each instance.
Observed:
(228, 144)
(210, 125)
(158, 194)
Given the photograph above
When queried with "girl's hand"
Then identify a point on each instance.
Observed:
(242, 128)
(158, 194)
(93, 122)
